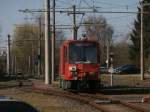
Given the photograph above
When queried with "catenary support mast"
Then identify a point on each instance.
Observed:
(47, 42)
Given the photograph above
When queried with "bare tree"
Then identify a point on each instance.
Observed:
(24, 46)
(98, 29)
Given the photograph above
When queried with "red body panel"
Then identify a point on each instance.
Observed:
(83, 71)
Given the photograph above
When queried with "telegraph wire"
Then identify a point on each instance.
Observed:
(79, 11)
(119, 17)
(87, 4)
(101, 2)
(114, 4)
(62, 1)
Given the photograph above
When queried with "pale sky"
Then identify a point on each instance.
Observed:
(122, 23)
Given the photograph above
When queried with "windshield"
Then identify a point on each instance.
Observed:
(83, 53)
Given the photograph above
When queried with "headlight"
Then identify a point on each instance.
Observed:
(72, 68)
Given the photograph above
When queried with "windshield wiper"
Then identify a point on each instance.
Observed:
(87, 61)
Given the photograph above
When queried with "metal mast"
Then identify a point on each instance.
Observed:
(74, 23)
(53, 43)
(142, 39)
(47, 42)
(39, 49)
(8, 55)
(142, 53)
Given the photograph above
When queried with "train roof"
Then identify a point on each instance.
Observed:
(79, 41)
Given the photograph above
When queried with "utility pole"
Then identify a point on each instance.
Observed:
(142, 53)
(15, 65)
(108, 44)
(29, 65)
(142, 39)
(33, 61)
(39, 49)
(74, 23)
(75, 27)
(108, 50)
(47, 42)
(53, 43)
(8, 55)
(111, 68)
(12, 65)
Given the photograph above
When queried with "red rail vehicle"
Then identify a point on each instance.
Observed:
(79, 64)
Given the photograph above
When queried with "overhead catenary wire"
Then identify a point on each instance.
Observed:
(81, 12)
(64, 2)
(110, 4)
(119, 17)
(87, 4)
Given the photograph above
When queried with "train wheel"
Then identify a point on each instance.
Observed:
(63, 84)
(83, 84)
(66, 84)
(93, 85)
(60, 83)
(75, 85)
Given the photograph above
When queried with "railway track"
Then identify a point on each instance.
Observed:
(101, 102)
(97, 100)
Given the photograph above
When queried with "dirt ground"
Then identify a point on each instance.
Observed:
(47, 103)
